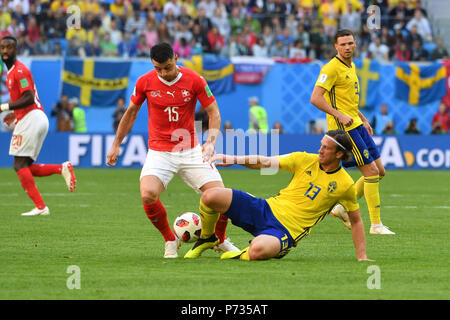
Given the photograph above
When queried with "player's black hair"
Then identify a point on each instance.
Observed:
(10, 38)
(161, 52)
(342, 137)
(343, 33)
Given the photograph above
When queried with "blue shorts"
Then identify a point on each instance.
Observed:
(255, 216)
(364, 149)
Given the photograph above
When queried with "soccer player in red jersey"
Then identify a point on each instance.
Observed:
(30, 129)
(172, 92)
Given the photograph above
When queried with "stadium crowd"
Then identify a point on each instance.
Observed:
(296, 29)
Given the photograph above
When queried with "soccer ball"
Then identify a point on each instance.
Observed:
(187, 227)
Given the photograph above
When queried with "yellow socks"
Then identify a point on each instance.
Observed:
(209, 218)
(360, 187)
(372, 194)
(241, 255)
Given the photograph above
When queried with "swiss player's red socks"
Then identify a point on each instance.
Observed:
(43, 170)
(221, 227)
(27, 181)
(157, 214)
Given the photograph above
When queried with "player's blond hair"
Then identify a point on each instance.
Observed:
(344, 143)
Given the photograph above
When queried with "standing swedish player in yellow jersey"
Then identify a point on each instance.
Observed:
(337, 93)
(280, 222)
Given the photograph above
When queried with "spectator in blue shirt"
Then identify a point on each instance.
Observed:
(286, 37)
(127, 47)
(381, 119)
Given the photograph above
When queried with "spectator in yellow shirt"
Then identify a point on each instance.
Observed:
(95, 33)
(190, 8)
(81, 34)
(58, 5)
(5, 20)
(308, 3)
(329, 14)
(342, 5)
(120, 9)
(90, 6)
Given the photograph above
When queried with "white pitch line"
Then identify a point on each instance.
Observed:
(402, 207)
(73, 194)
(57, 194)
(81, 205)
(415, 207)
(396, 195)
(8, 184)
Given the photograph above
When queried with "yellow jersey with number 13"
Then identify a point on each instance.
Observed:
(311, 193)
(342, 86)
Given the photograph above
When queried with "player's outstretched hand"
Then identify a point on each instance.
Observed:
(113, 156)
(222, 160)
(208, 151)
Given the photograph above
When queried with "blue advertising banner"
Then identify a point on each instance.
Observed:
(89, 150)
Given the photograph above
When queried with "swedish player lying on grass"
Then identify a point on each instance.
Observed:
(279, 223)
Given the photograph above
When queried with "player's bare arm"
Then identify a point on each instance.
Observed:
(319, 102)
(250, 161)
(213, 130)
(125, 125)
(366, 123)
(359, 237)
(26, 100)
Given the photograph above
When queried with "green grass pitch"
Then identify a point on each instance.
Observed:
(102, 229)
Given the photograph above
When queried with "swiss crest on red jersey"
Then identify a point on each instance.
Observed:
(155, 93)
(186, 95)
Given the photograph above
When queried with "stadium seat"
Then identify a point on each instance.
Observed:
(317, 123)
(429, 47)
(159, 16)
(63, 43)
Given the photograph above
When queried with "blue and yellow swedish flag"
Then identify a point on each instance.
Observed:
(368, 72)
(95, 83)
(217, 72)
(420, 84)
